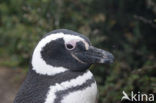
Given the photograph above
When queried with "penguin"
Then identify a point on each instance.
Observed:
(59, 71)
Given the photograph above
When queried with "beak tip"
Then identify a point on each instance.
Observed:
(111, 57)
(111, 61)
(108, 59)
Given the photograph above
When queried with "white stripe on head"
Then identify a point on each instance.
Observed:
(39, 65)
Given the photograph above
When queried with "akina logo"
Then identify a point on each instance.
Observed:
(138, 96)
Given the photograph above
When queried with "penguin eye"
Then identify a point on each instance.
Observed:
(69, 46)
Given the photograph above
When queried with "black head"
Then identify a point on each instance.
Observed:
(66, 50)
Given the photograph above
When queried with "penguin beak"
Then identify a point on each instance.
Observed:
(95, 55)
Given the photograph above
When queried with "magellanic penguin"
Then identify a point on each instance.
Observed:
(59, 70)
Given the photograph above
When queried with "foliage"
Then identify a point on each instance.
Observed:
(126, 28)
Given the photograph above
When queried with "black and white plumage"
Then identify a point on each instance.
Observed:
(59, 70)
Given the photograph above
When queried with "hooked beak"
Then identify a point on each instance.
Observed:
(95, 55)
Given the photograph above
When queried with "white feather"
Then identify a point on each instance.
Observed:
(89, 93)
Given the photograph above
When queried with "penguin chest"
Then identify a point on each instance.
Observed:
(78, 94)
(86, 95)
(82, 89)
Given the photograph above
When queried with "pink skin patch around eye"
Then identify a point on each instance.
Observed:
(71, 42)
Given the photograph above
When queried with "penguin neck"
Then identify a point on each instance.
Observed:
(56, 78)
(39, 86)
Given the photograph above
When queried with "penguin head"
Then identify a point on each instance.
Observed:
(62, 50)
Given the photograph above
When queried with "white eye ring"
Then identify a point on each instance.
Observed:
(70, 46)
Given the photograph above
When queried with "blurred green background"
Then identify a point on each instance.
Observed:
(126, 28)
